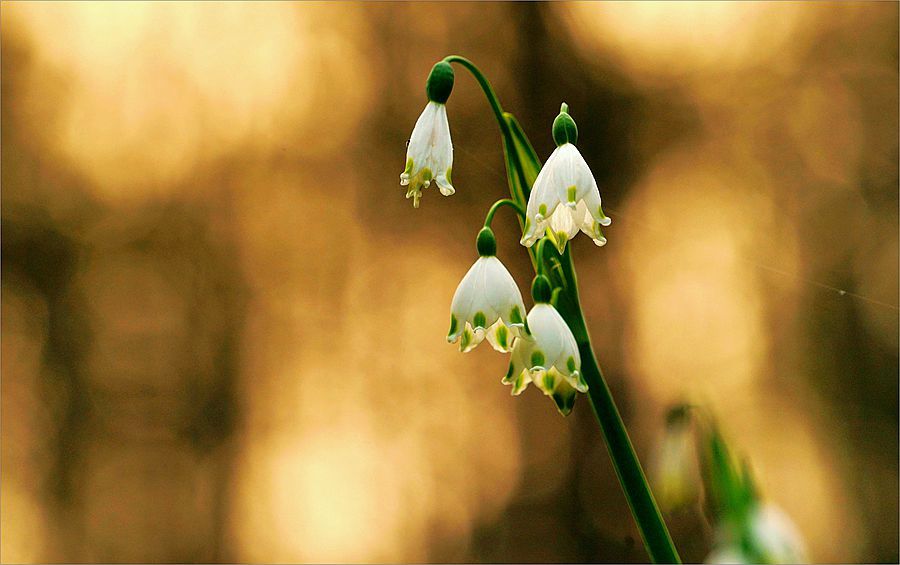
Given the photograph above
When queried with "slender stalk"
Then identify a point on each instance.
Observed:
(523, 166)
(499, 204)
(501, 117)
(628, 468)
(485, 86)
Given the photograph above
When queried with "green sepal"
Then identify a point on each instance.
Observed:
(440, 82)
(486, 243)
(564, 128)
(541, 291)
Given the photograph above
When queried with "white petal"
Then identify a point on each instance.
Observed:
(777, 536)
(545, 324)
(518, 374)
(582, 177)
(464, 299)
(589, 224)
(731, 555)
(555, 341)
(441, 145)
(562, 227)
(501, 337)
(420, 141)
(444, 185)
(501, 291)
(471, 337)
(542, 202)
(429, 154)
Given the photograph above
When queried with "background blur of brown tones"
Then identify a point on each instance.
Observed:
(223, 326)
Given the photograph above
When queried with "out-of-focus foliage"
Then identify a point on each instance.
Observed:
(223, 325)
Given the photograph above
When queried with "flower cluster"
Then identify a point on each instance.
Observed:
(487, 304)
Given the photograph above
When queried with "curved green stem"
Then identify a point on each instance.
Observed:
(499, 204)
(485, 86)
(505, 129)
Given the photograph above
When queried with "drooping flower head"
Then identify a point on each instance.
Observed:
(676, 473)
(487, 302)
(429, 154)
(549, 357)
(565, 197)
(776, 536)
(771, 537)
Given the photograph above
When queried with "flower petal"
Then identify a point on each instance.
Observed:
(471, 337)
(564, 397)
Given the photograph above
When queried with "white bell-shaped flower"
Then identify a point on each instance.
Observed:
(727, 555)
(429, 156)
(676, 473)
(776, 536)
(565, 197)
(770, 537)
(548, 358)
(487, 303)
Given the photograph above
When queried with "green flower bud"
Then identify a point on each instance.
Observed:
(541, 289)
(487, 245)
(440, 83)
(564, 128)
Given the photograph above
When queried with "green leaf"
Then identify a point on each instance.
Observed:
(526, 154)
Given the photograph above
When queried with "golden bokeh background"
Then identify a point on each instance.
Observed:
(223, 325)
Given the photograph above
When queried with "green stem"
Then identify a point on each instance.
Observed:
(485, 86)
(628, 468)
(501, 117)
(499, 204)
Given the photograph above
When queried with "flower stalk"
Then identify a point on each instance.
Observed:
(523, 167)
(499, 204)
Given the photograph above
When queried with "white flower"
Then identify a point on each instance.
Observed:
(488, 303)
(429, 155)
(565, 198)
(727, 555)
(676, 473)
(548, 357)
(772, 537)
(776, 536)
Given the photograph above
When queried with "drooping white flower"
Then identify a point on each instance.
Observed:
(429, 153)
(727, 555)
(429, 156)
(548, 358)
(676, 473)
(487, 303)
(776, 536)
(565, 197)
(771, 537)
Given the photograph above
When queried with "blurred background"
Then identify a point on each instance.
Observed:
(223, 325)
